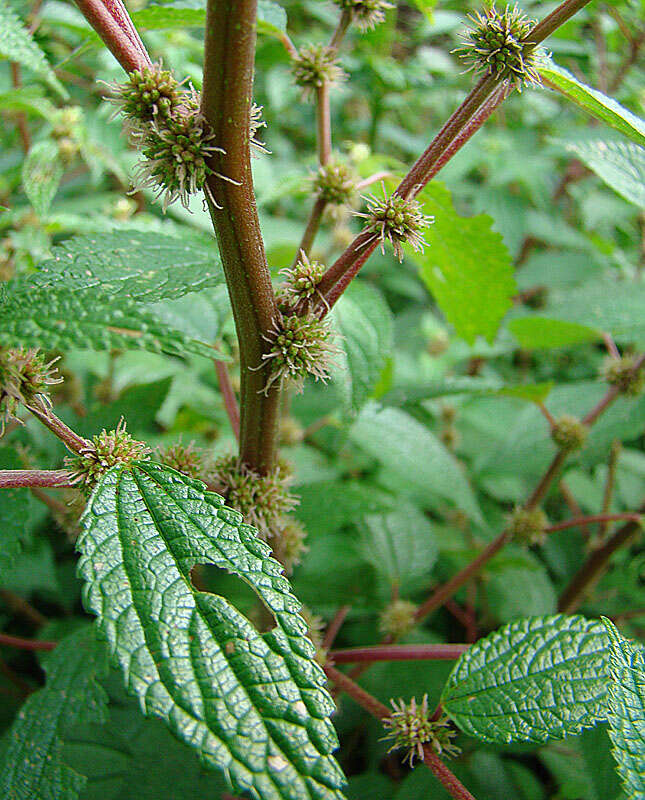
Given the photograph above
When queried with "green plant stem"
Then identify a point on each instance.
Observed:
(25, 644)
(113, 24)
(26, 478)
(374, 707)
(313, 223)
(227, 95)
(591, 519)
(228, 395)
(399, 652)
(72, 440)
(594, 567)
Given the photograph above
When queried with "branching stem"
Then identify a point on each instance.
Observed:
(26, 478)
(399, 652)
(25, 644)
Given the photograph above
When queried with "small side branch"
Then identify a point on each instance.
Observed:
(113, 24)
(230, 401)
(28, 478)
(399, 652)
(25, 644)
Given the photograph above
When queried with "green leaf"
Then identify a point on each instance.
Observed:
(60, 318)
(620, 164)
(253, 706)
(14, 513)
(139, 265)
(594, 102)
(17, 44)
(466, 267)
(364, 322)
(42, 171)
(572, 317)
(627, 711)
(533, 680)
(406, 447)
(32, 767)
(272, 18)
(426, 7)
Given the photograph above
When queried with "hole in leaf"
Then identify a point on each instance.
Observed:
(209, 578)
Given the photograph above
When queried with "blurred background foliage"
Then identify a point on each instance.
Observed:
(407, 463)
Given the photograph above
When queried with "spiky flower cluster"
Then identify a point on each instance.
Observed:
(396, 219)
(301, 282)
(411, 728)
(67, 131)
(335, 183)
(25, 378)
(107, 450)
(397, 618)
(289, 544)
(527, 526)
(621, 372)
(497, 45)
(261, 499)
(298, 346)
(366, 13)
(255, 123)
(148, 95)
(569, 433)
(185, 458)
(314, 66)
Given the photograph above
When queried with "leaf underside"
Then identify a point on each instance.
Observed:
(253, 706)
(533, 680)
(627, 711)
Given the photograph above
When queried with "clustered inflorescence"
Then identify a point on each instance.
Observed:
(569, 433)
(315, 66)
(397, 618)
(300, 284)
(497, 45)
(621, 372)
(411, 728)
(527, 525)
(335, 183)
(107, 450)
(298, 346)
(366, 13)
(177, 143)
(396, 219)
(25, 378)
(185, 458)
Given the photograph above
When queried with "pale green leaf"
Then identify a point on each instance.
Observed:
(32, 768)
(533, 680)
(364, 322)
(42, 171)
(253, 706)
(140, 265)
(594, 102)
(426, 7)
(465, 266)
(627, 711)
(408, 448)
(17, 44)
(620, 164)
(540, 332)
(14, 513)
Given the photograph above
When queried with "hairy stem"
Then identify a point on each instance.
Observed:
(112, 22)
(399, 652)
(25, 478)
(72, 440)
(323, 118)
(227, 96)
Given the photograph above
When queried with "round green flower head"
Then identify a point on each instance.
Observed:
(298, 346)
(185, 458)
(261, 499)
(569, 433)
(289, 544)
(527, 526)
(396, 219)
(621, 372)
(25, 378)
(108, 449)
(497, 45)
(301, 282)
(366, 13)
(397, 618)
(335, 183)
(148, 94)
(411, 728)
(314, 66)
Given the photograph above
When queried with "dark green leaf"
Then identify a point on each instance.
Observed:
(14, 513)
(41, 174)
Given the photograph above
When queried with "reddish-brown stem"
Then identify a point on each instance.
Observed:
(609, 485)
(20, 606)
(610, 344)
(611, 394)
(594, 567)
(113, 24)
(72, 440)
(448, 779)
(555, 19)
(345, 268)
(439, 597)
(334, 626)
(547, 479)
(591, 519)
(228, 395)
(574, 508)
(21, 117)
(25, 644)
(399, 652)
(323, 118)
(26, 478)
(546, 413)
(341, 29)
(288, 44)
(313, 223)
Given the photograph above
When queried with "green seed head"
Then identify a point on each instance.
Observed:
(397, 220)
(301, 282)
(149, 94)
(397, 618)
(289, 544)
(187, 459)
(569, 433)
(335, 183)
(621, 372)
(411, 728)
(25, 378)
(497, 45)
(528, 526)
(314, 66)
(108, 449)
(366, 13)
